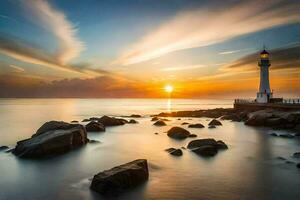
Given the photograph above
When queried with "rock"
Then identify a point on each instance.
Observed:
(132, 121)
(185, 123)
(212, 126)
(174, 152)
(119, 179)
(221, 145)
(156, 133)
(135, 116)
(233, 117)
(10, 150)
(111, 121)
(183, 147)
(94, 141)
(202, 142)
(95, 127)
(286, 136)
(273, 134)
(289, 162)
(49, 141)
(86, 120)
(155, 119)
(3, 148)
(160, 123)
(178, 119)
(298, 165)
(169, 150)
(281, 158)
(192, 135)
(164, 119)
(215, 122)
(178, 133)
(74, 121)
(206, 150)
(196, 126)
(296, 155)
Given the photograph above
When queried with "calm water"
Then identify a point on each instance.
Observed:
(249, 169)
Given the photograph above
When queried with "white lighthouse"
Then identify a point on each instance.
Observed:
(264, 94)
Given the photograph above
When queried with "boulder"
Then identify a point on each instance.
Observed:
(185, 123)
(196, 125)
(273, 134)
(132, 121)
(174, 152)
(74, 121)
(221, 145)
(160, 123)
(119, 179)
(298, 165)
(206, 150)
(202, 142)
(206, 147)
(94, 126)
(111, 121)
(48, 141)
(135, 116)
(178, 133)
(212, 126)
(296, 155)
(192, 135)
(155, 119)
(215, 122)
(3, 148)
(286, 136)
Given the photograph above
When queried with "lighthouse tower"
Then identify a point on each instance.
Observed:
(264, 94)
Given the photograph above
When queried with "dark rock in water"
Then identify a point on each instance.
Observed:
(298, 165)
(178, 133)
(286, 136)
(289, 162)
(86, 120)
(95, 127)
(183, 147)
(119, 179)
(3, 148)
(164, 119)
(155, 119)
(192, 135)
(94, 141)
(49, 141)
(212, 126)
(135, 116)
(196, 125)
(296, 155)
(185, 123)
(273, 134)
(160, 123)
(221, 145)
(10, 150)
(233, 117)
(132, 121)
(74, 121)
(169, 150)
(281, 158)
(206, 150)
(215, 122)
(202, 142)
(174, 152)
(156, 133)
(178, 119)
(111, 121)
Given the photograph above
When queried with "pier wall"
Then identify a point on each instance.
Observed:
(262, 106)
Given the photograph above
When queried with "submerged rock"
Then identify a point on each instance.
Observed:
(215, 122)
(286, 136)
(296, 155)
(94, 141)
(178, 133)
(196, 125)
(51, 139)
(95, 127)
(154, 119)
(117, 180)
(206, 150)
(185, 123)
(174, 152)
(273, 134)
(206, 147)
(156, 133)
(212, 126)
(111, 121)
(3, 148)
(192, 135)
(160, 123)
(132, 121)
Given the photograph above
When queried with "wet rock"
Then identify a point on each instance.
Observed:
(185, 123)
(196, 125)
(119, 179)
(202, 142)
(94, 142)
(212, 126)
(178, 133)
(289, 162)
(3, 148)
(233, 117)
(273, 134)
(221, 145)
(286, 136)
(10, 150)
(280, 158)
(111, 121)
(192, 135)
(160, 123)
(132, 121)
(296, 155)
(215, 122)
(206, 147)
(174, 152)
(135, 116)
(155, 119)
(86, 120)
(95, 127)
(156, 133)
(49, 141)
(298, 165)
(206, 150)
(74, 121)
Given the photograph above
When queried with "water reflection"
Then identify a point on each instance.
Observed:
(169, 105)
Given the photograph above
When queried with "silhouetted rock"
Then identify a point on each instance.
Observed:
(192, 135)
(215, 122)
(286, 136)
(3, 148)
(206, 147)
(135, 116)
(206, 150)
(185, 123)
(119, 179)
(273, 134)
(196, 125)
(221, 145)
(174, 152)
(132, 121)
(296, 155)
(178, 133)
(154, 119)
(74, 121)
(94, 142)
(111, 121)
(95, 127)
(201, 142)
(212, 126)
(298, 165)
(86, 120)
(51, 139)
(160, 123)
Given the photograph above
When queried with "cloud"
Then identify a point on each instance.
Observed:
(17, 69)
(233, 51)
(202, 27)
(56, 23)
(183, 68)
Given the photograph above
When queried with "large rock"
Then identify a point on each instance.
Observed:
(95, 127)
(121, 178)
(48, 141)
(298, 165)
(206, 150)
(174, 152)
(201, 142)
(111, 121)
(232, 117)
(160, 123)
(196, 125)
(215, 122)
(296, 155)
(3, 148)
(206, 147)
(178, 133)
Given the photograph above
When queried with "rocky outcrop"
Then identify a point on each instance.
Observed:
(296, 155)
(52, 138)
(121, 178)
(95, 127)
(111, 121)
(3, 148)
(215, 122)
(135, 116)
(178, 133)
(174, 152)
(206, 147)
(196, 125)
(132, 121)
(160, 123)
(154, 119)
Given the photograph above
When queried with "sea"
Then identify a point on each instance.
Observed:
(256, 165)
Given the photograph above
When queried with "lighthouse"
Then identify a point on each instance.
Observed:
(264, 94)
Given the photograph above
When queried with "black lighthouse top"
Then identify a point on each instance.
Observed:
(264, 54)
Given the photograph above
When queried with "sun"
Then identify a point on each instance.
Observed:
(169, 88)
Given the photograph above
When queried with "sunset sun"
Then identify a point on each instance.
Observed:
(169, 88)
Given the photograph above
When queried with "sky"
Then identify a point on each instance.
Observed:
(134, 48)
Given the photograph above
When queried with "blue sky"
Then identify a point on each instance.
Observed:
(141, 40)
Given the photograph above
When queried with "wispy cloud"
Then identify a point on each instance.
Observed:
(183, 68)
(202, 27)
(17, 69)
(233, 51)
(56, 23)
